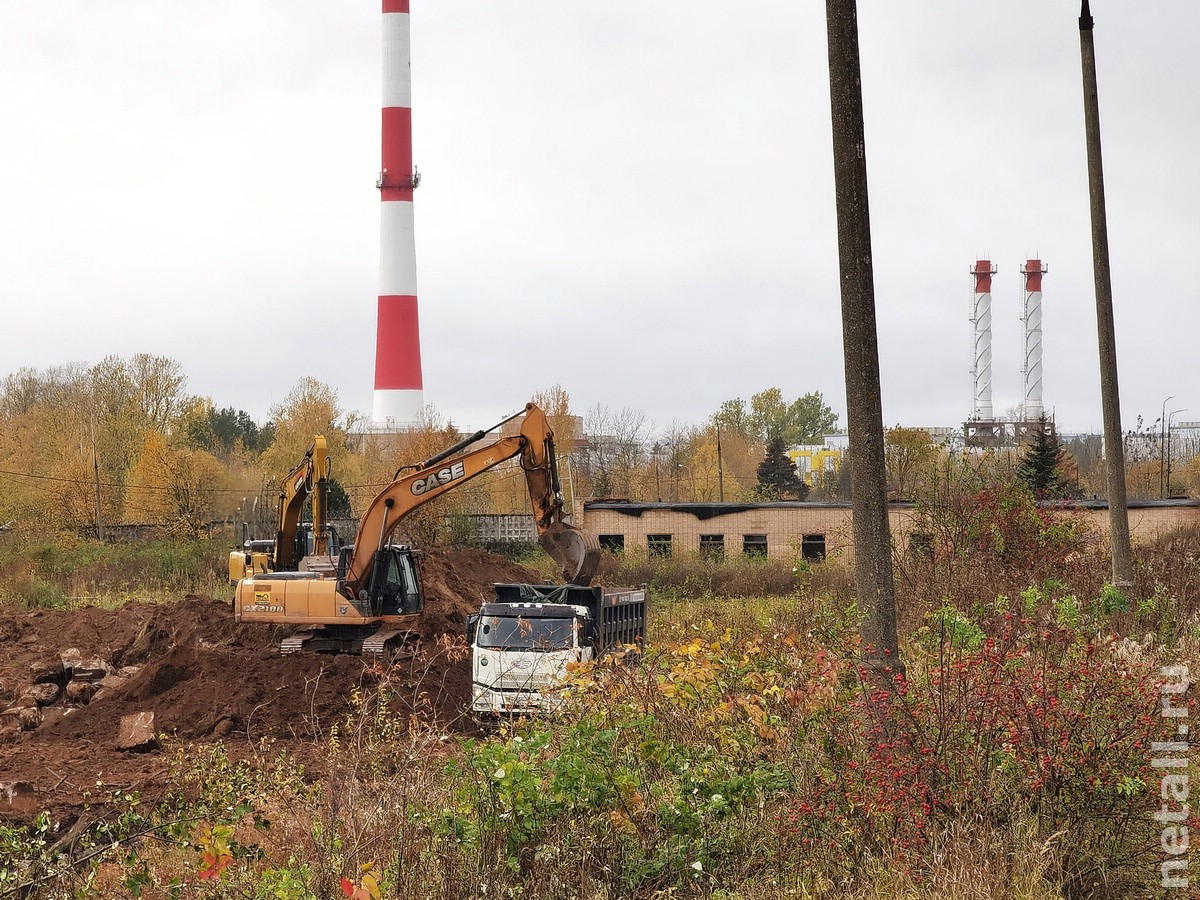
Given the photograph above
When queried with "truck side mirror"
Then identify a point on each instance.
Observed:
(472, 624)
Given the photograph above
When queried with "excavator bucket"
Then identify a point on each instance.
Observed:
(575, 550)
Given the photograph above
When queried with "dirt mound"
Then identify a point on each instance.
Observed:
(204, 677)
(454, 584)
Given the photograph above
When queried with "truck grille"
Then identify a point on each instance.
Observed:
(516, 680)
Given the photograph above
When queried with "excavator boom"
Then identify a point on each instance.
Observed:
(576, 551)
(311, 477)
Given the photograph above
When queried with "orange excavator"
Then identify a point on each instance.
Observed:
(369, 603)
(291, 544)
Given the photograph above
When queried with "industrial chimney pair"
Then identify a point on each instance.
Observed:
(1031, 368)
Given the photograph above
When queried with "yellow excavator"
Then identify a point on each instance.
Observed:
(369, 603)
(291, 544)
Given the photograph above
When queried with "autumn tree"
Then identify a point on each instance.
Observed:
(733, 417)
(1190, 476)
(777, 476)
(158, 383)
(83, 429)
(709, 476)
(805, 420)
(309, 409)
(555, 402)
(907, 453)
(614, 460)
(52, 435)
(740, 457)
(177, 486)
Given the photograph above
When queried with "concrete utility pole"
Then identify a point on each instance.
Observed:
(720, 469)
(860, 346)
(1110, 395)
(96, 473)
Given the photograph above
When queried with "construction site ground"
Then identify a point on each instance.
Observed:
(205, 678)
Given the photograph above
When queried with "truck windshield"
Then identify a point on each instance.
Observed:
(520, 633)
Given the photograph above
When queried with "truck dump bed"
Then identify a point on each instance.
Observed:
(619, 613)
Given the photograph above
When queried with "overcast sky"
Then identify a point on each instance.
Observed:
(631, 199)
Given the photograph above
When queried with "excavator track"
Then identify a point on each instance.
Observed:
(384, 643)
(390, 643)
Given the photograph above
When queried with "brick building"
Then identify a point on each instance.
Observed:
(814, 530)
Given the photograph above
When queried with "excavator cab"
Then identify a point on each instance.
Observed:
(397, 591)
(395, 585)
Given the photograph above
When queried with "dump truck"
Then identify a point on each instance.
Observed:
(523, 641)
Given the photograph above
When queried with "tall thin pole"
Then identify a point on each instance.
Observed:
(1110, 395)
(1168, 491)
(96, 473)
(1162, 445)
(1171, 415)
(860, 346)
(720, 469)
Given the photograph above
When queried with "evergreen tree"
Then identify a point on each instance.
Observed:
(1042, 465)
(777, 477)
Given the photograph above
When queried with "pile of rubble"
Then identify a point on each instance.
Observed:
(60, 685)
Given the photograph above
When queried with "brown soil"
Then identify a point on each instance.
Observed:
(207, 678)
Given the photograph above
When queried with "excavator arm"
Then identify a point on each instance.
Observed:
(577, 551)
(310, 477)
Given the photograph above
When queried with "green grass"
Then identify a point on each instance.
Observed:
(68, 571)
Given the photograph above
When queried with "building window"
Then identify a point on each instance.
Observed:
(658, 544)
(812, 546)
(712, 546)
(754, 544)
(613, 543)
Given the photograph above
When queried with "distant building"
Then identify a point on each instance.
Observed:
(812, 459)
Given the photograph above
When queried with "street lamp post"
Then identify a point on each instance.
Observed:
(656, 450)
(691, 477)
(1170, 415)
(1162, 453)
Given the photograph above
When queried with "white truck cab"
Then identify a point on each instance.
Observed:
(522, 644)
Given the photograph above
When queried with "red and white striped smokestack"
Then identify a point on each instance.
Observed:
(399, 399)
(1033, 270)
(983, 270)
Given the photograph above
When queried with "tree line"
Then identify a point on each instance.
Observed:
(122, 441)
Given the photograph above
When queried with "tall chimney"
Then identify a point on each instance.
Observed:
(983, 271)
(399, 399)
(1033, 270)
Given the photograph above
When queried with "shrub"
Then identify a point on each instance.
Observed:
(695, 575)
(979, 539)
